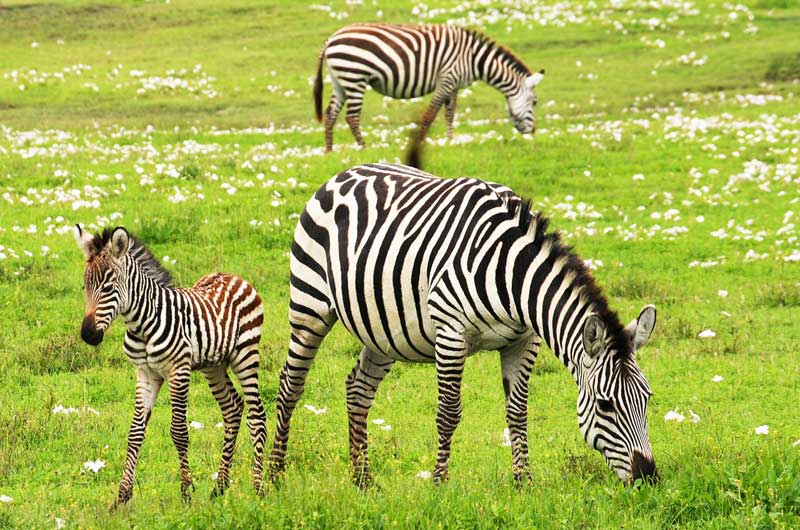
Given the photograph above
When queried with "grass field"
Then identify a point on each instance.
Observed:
(667, 153)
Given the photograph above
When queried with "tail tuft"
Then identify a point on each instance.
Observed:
(415, 145)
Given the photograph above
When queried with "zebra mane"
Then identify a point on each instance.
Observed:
(534, 225)
(150, 265)
(515, 61)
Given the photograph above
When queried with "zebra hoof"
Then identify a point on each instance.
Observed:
(365, 482)
(523, 480)
(440, 477)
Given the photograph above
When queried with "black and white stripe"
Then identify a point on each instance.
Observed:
(422, 269)
(212, 326)
(411, 61)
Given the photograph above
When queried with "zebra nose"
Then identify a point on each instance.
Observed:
(89, 332)
(643, 468)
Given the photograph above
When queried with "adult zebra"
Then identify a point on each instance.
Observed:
(214, 325)
(422, 269)
(411, 61)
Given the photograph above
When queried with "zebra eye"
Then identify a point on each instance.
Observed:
(107, 288)
(605, 405)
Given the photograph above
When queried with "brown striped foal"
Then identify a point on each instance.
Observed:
(212, 326)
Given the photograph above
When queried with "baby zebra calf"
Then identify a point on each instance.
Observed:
(214, 325)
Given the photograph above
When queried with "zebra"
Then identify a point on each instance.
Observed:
(404, 61)
(212, 326)
(422, 269)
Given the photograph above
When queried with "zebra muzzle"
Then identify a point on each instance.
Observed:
(643, 468)
(89, 332)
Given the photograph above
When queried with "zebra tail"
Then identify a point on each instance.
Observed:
(318, 87)
(415, 145)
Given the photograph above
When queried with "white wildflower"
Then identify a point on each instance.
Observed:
(196, 425)
(674, 415)
(7, 499)
(425, 475)
(706, 334)
(95, 465)
(762, 429)
(506, 437)
(717, 379)
(315, 410)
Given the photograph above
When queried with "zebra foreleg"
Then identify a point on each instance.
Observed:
(362, 383)
(450, 357)
(517, 364)
(246, 370)
(178, 382)
(147, 387)
(231, 405)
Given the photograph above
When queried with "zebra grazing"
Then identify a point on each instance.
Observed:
(171, 331)
(421, 269)
(411, 61)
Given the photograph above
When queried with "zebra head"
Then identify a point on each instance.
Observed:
(612, 401)
(104, 280)
(521, 103)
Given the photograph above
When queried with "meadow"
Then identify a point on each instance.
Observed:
(666, 153)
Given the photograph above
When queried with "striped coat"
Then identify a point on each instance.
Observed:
(421, 269)
(212, 326)
(411, 61)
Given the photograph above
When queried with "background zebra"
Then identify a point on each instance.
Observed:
(214, 325)
(422, 269)
(411, 61)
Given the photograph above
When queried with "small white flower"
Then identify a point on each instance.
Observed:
(638, 176)
(196, 425)
(706, 334)
(424, 475)
(7, 499)
(95, 465)
(219, 425)
(587, 173)
(722, 293)
(378, 421)
(386, 427)
(61, 409)
(762, 429)
(717, 379)
(60, 523)
(796, 443)
(214, 475)
(674, 415)
(315, 410)
(694, 417)
(506, 437)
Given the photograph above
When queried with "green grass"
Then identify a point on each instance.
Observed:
(61, 141)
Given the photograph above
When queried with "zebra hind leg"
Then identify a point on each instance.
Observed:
(450, 115)
(245, 367)
(331, 113)
(450, 356)
(231, 405)
(307, 333)
(178, 382)
(355, 99)
(362, 383)
(517, 364)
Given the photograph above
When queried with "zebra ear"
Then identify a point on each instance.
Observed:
(84, 241)
(119, 242)
(594, 332)
(534, 79)
(640, 329)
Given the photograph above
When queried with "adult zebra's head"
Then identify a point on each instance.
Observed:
(612, 401)
(521, 103)
(104, 280)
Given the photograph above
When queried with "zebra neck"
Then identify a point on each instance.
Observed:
(495, 67)
(149, 301)
(556, 309)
